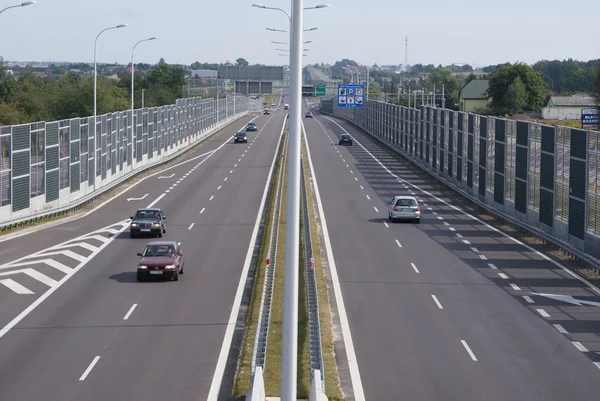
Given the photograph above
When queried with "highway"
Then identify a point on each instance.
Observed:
(447, 309)
(100, 335)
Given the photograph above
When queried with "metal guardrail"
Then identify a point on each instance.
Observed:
(314, 323)
(587, 258)
(86, 200)
(261, 339)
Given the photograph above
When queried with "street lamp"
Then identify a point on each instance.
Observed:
(96, 82)
(283, 30)
(24, 4)
(132, 95)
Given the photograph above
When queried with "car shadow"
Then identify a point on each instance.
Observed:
(125, 277)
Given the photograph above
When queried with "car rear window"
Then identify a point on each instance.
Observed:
(406, 202)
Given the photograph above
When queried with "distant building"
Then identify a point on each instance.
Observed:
(567, 107)
(203, 74)
(474, 95)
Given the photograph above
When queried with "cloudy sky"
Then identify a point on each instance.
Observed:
(477, 32)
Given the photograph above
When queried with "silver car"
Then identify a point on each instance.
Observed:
(404, 208)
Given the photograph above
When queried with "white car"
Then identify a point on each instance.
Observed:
(404, 207)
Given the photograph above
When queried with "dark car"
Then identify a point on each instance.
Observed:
(161, 259)
(345, 139)
(251, 127)
(267, 111)
(148, 221)
(240, 137)
(309, 115)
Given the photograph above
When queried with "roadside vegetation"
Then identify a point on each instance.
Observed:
(32, 97)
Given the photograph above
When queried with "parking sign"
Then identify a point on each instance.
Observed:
(351, 95)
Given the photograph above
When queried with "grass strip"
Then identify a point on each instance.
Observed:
(333, 389)
(272, 376)
(241, 384)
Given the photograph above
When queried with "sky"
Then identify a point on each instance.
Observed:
(443, 32)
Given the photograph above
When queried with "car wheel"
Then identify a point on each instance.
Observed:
(418, 221)
(131, 234)
(389, 216)
(182, 266)
(164, 230)
(160, 234)
(176, 276)
(139, 277)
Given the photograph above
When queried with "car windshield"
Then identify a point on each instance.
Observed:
(147, 214)
(406, 202)
(345, 137)
(159, 251)
(240, 134)
(251, 124)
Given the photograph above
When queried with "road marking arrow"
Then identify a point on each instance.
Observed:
(171, 176)
(568, 299)
(135, 199)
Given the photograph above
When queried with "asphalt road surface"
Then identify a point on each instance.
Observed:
(103, 336)
(447, 309)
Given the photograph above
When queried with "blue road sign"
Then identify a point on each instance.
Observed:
(351, 95)
(590, 118)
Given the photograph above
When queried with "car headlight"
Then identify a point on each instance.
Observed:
(170, 267)
(157, 224)
(142, 267)
(134, 224)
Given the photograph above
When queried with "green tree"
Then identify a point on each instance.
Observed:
(500, 81)
(242, 62)
(451, 83)
(597, 86)
(516, 96)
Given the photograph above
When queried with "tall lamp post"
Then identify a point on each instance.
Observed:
(96, 86)
(133, 142)
(24, 4)
(289, 358)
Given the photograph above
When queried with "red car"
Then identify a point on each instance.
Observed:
(161, 259)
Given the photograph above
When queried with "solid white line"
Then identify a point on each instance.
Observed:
(212, 197)
(130, 311)
(515, 287)
(202, 211)
(504, 276)
(543, 312)
(528, 299)
(397, 242)
(215, 385)
(471, 354)
(368, 197)
(156, 200)
(437, 302)
(579, 346)
(357, 386)
(560, 329)
(16, 287)
(219, 187)
(191, 225)
(385, 224)
(597, 364)
(415, 268)
(89, 369)
(377, 210)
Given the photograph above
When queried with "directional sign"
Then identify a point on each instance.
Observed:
(590, 118)
(320, 90)
(568, 299)
(136, 199)
(351, 95)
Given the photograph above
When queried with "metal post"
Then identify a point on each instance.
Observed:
(368, 79)
(132, 107)
(143, 98)
(443, 96)
(292, 236)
